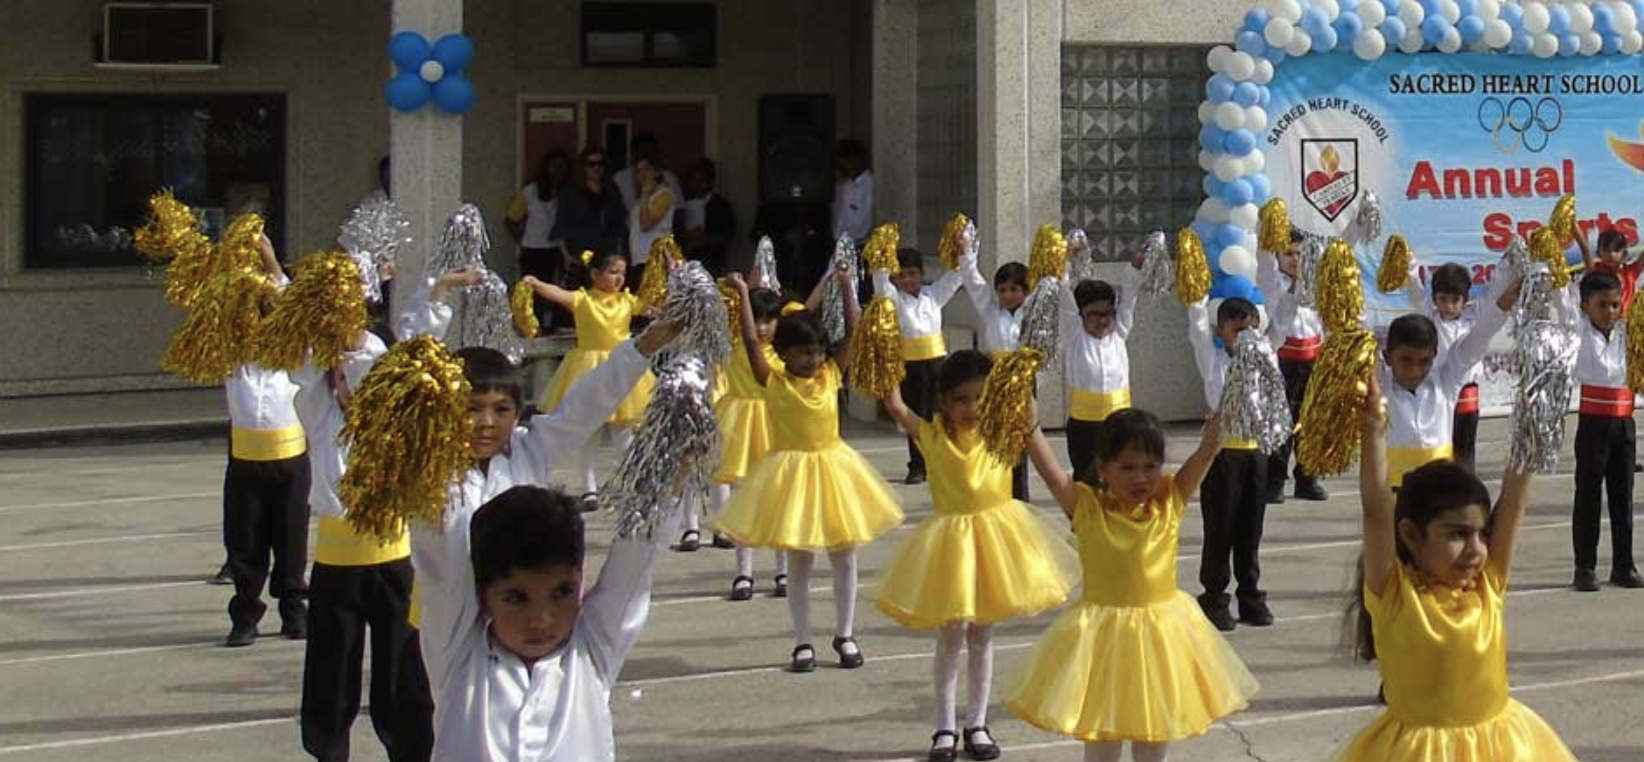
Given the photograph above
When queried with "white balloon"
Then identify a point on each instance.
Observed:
(1591, 42)
(1411, 13)
(1246, 217)
(1300, 44)
(1240, 66)
(1229, 116)
(1264, 72)
(1625, 19)
(1581, 18)
(1489, 10)
(1535, 18)
(1451, 42)
(1279, 32)
(1545, 45)
(1330, 8)
(1207, 113)
(1214, 210)
(1498, 34)
(1372, 14)
(1255, 118)
(1237, 260)
(1449, 10)
(1218, 58)
(1228, 168)
(1633, 43)
(1255, 162)
(1412, 41)
(1370, 45)
(1207, 160)
(1289, 10)
(1249, 241)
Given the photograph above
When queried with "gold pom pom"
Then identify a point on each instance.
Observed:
(1275, 226)
(323, 311)
(880, 250)
(524, 304)
(1563, 222)
(1048, 259)
(1545, 247)
(951, 247)
(1394, 273)
(221, 329)
(172, 230)
(1192, 268)
(409, 433)
(1635, 350)
(1007, 398)
(240, 247)
(1340, 292)
(733, 308)
(876, 350)
(587, 258)
(653, 285)
(1329, 433)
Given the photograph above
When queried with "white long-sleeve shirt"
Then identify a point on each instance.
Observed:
(423, 315)
(919, 316)
(1001, 329)
(1094, 365)
(1449, 331)
(1602, 360)
(1423, 418)
(322, 420)
(853, 207)
(262, 414)
(1290, 325)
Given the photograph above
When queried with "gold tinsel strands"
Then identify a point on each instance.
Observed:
(172, 230)
(733, 309)
(409, 431)
(1635, 350)
(1394, 273)
(1545, 247)
(221, 329)
(952, 245)
(1329, 433)
(880, 250)
(1340, 292)
(1007, 397)
(1048, 259)
(323, 311)
(1563, 221)
(1275, 226)
(523, 301)
(653, 285)
(1192, 268)
(876, 354)
(240, 247)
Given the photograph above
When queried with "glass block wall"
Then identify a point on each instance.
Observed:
(1130, 131)
(946, 165)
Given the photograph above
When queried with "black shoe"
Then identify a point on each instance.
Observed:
(915, 476)
(722, 542)
(689, 542)
(983, 749)
(781, 589)
(851, 660)
(1219, 615)
(241, 635)
(944, 752)
(1275, 494)
(1629, 579)
(590, 502)
(223, 577)
(1638, 468)
(1586, 581)
(742, 588)
(1255, 614)
(804, 659)
(294, 628)
(1311, 489)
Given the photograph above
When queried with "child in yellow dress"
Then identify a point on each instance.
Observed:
(1431, 612)
(1135, 660)
(979, 559)
(812, 492)
(603, 312)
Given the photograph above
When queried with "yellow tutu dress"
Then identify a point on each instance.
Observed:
(1443, 657)
(1135, 660)
(602, 319)
(744, 429)
(980, 557)
(812, 491)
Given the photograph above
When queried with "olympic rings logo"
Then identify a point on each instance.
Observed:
(1520, 122)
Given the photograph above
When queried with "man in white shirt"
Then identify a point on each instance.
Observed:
(643, 146)
(853, 197)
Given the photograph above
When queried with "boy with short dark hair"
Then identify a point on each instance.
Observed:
(1454, 316)
(1093, 326)
(1297, 334)
(919, 314)
(1612, 259)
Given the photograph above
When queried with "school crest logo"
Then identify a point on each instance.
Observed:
(1330, 174)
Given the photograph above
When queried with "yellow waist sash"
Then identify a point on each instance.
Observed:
(413, 613)
(267, 444)
(1096, 406)
(1403, 460)
(923, 348)
(1231, 443)
(339, 545)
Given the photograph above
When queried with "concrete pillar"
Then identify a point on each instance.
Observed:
(425, 146)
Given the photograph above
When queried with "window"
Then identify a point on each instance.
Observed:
(1130, 130)
(657, 35)
(94, 160)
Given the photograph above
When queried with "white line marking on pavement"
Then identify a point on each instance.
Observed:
(109, 540)
(191, 730)
(109, 501)
(99, 591)
(109, 652)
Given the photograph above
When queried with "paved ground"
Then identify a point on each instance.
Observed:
(108, 637)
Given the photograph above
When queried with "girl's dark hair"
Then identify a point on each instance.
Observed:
(766, 304)
(798, 330)
(962, 367)
(1426, 493)
(1595, 283)
(1089, 292)
(1296, 235)
(1611, 239)
(910, 259)
(546, 190)
(1129, 428)
(1451, 279)
(1414, 330)
(1011, 273)
(525, 528)
(601, 261)
(488, 370)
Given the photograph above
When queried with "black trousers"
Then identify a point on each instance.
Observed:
(1019, 481)
(345, 602)
(1605, 449)
(1082, 437)
(548, 265)
(919, 393)
(1464, 439)
(265, 514)
(1296, 374)
(413, 707)
(1234, 508)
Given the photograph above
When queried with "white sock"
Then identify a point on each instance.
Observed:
(744, 561)
(1149, 752)
(799, 594)
(1104, 751)
(945, 671)
(692, 508)
(844, 593)
(781, 564)
(978, 673)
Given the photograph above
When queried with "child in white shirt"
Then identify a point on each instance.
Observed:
(919, 313)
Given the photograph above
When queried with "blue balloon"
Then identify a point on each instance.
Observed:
(1348, 26)
(1212, 186)
(408, 50)
(454, 94)
(1434, 29)
(1325, 41)
(407, 92)
(1391, 6)
(1267, 97)
(1429, 8)
(1467, 7)
(454, 52)
(1261, 188)
(1569, 45)
(1612, 43)
(1347, 5)
(1558, 19)
(1247, 94)
(1471, 28)
(1313, 19)
(1638, 9)
(1205, 229)
(1275, 54)
(1239, 142)
(1219, 89)
(1522, 43)
(1226, 234)
(1603, 19)
(1393, 29)
(1211, 137)
(1250, 42)
(1256, 20)
(1235, 194)
(1513, 15)
(1233, 286)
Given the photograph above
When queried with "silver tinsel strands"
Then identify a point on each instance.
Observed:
(1517, 256)
(463, 243)
(675, 452)
(764, 265)
(1158, 269)
(1253, 405)
(833, 298)
(1546, 357)
(1081, 260)
(485, 318)
(1310, 252)
(373, 235)
(1535, 299)
(695, 305)
(1368, 222)
(1041, 318)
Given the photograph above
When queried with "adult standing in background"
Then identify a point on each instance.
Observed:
(706, 223)
(853, 196)
(530, 221)
(643, 146)
(650, 218)
(591, 214)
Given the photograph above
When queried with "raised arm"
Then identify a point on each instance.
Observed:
(427, 311)
(616, 607)
(1416, 290)
(1130, 287)
(1198, 337)
(1193, 470)
(1380, 543)
(1492, 315)
(559, 297)
(843, 355)
(898, 410)
(750, 331)
(1506, 518)
(592, 399)
(1057, 479)
(946, 286)
(1586, 250)
(976, 287)
(813, 301)
(446, 593)
(882, 284)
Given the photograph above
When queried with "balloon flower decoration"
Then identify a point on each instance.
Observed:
(430, 72)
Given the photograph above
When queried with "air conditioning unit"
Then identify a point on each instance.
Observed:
(158, 36)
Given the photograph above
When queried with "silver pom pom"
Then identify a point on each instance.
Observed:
(1367, 223)
(1041, 319)
(832, 308)
(674, 452)
(1081, 259)
(1253, 405)
(1158, 269)
(1307, 270)
(485, 318)
(695, 305)
(463, 243)
(1535, 299)
(764, 265)
(1517, 256)
(1546, 355)
(373, 235)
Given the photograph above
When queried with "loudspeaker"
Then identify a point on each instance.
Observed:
(796, 148)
